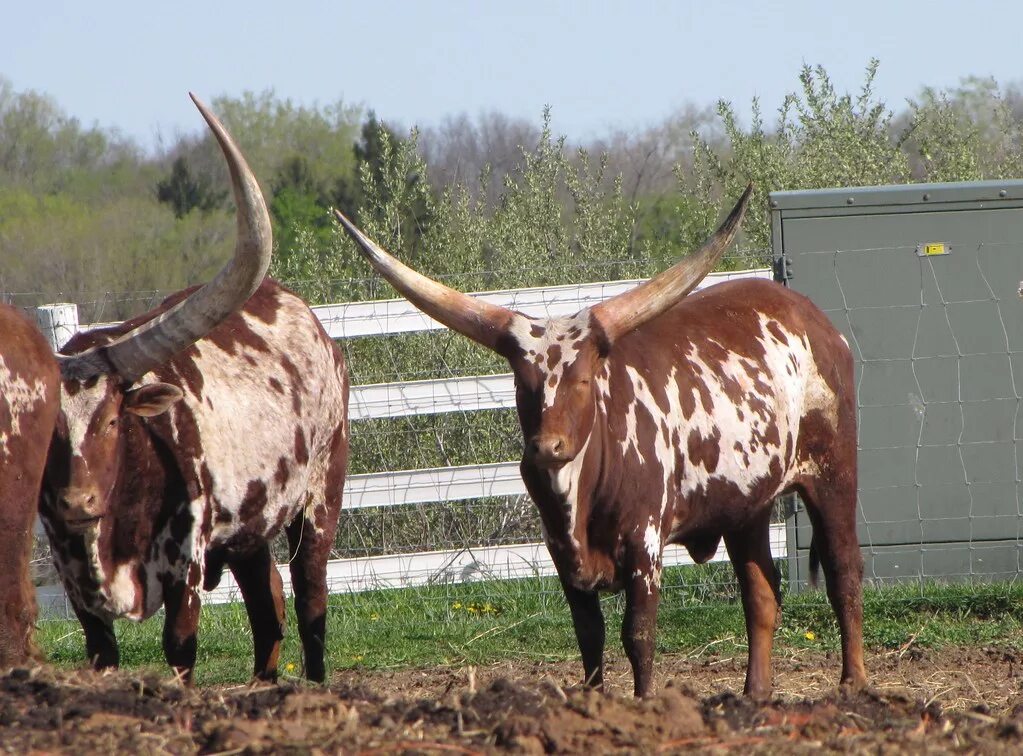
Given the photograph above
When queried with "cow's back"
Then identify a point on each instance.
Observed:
(709, 398)
(265, 396)
(29, 399)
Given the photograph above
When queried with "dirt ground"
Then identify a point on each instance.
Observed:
(954, 700)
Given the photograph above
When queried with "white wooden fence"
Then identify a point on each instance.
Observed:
(397, 487)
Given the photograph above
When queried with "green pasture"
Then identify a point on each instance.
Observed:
(487, 622)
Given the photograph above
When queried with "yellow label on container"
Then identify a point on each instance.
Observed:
(929, 249)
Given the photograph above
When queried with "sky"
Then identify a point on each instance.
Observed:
(600, 65)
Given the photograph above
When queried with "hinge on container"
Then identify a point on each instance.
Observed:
(782, 268)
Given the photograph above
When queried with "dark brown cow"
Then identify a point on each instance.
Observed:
(653, 418)
(188, 439)
(29, 395)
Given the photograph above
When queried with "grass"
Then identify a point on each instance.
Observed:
(483, 623)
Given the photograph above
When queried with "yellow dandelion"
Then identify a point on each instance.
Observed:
(374, 616)
(472, 609)
(357, 657)
(810, 635)
(289, 667)
(457, 605)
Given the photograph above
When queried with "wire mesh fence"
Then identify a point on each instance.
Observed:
(938, 346)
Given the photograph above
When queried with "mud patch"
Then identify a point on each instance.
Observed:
(953, 701)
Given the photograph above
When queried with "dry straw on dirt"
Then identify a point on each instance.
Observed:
(955, 700)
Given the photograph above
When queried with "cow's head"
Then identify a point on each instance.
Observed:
(104, 390)
(558, 363)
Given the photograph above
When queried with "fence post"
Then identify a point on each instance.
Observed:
(58, 322)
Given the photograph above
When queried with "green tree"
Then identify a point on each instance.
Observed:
(185, 192)
(390, 184)
(822, 139)
(970, 132)
(42, 148)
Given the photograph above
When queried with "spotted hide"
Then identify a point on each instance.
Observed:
(144, 508)
(190, 437)
(28, 408)
(656, 418)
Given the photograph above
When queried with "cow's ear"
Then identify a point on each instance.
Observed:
(151, 399)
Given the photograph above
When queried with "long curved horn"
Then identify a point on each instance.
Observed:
(631, 309)
(480, 321)
(156, 341)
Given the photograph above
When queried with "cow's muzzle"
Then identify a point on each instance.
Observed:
(80, 508)
(549, 450)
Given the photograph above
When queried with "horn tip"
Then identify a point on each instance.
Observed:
(747, 193)
(736, 216)
(204, 111)
(346, 224)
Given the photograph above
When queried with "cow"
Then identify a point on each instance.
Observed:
(654, 418)
(29, 396)
(188, 438)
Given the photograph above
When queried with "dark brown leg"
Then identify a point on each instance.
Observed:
(834, 524)
(100, 642)
(759, 582)
(180, 627)
(263, 592)
(310, 541)
(588, 621)
(639, 626)
(17, 596)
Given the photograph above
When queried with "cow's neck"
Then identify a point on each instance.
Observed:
(140, 492)
(124, 536)
(573, 502)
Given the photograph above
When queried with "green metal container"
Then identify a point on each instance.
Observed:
(923, 280)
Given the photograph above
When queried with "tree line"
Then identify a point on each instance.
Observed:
(491, 202)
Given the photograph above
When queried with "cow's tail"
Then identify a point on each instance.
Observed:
(815, 561)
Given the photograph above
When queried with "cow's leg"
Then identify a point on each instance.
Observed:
(263, 593)
(17, 596)
(760, 584)
(180, 626)
(100, 642)
(639, 625)
(588, 621)
(310, 537)
(832, 511)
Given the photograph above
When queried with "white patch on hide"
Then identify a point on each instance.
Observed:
(79, 409)
(664, 450)
(122, 593)
(248, 415)
(565, 483)
(652, 541)
(21, 397)
(556, 334)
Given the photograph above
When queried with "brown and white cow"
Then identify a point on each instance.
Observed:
(189, 437)
(656, 418)
(29, 395)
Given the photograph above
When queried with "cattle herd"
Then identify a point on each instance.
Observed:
(162, 450)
